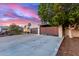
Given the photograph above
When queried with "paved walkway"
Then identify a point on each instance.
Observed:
(29, 45)
(69, 47)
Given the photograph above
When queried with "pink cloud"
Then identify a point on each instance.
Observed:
(17, 22)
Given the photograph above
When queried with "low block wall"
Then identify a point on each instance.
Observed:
(34, 30)
(49, 31)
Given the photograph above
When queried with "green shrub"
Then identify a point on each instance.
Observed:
(14, 29)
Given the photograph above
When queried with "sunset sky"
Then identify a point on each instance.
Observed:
(20, 14)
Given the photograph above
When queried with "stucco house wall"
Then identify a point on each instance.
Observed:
(74, 33)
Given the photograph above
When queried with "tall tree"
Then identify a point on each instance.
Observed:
(51, 13)
(45, 12)
(59, 14)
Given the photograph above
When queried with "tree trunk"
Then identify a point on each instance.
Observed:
(60, 31)
(70, 33)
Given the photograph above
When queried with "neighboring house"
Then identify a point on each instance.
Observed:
(3, 29)
(26, 29)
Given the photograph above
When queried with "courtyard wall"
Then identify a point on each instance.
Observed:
(74, 33)
(49, 31)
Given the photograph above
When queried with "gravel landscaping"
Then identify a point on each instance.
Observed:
(69, 47)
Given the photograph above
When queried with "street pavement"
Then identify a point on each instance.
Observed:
(29, 45)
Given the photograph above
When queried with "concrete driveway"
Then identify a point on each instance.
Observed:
(29, 45)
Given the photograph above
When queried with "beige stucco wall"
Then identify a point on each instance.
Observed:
(74, 33)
